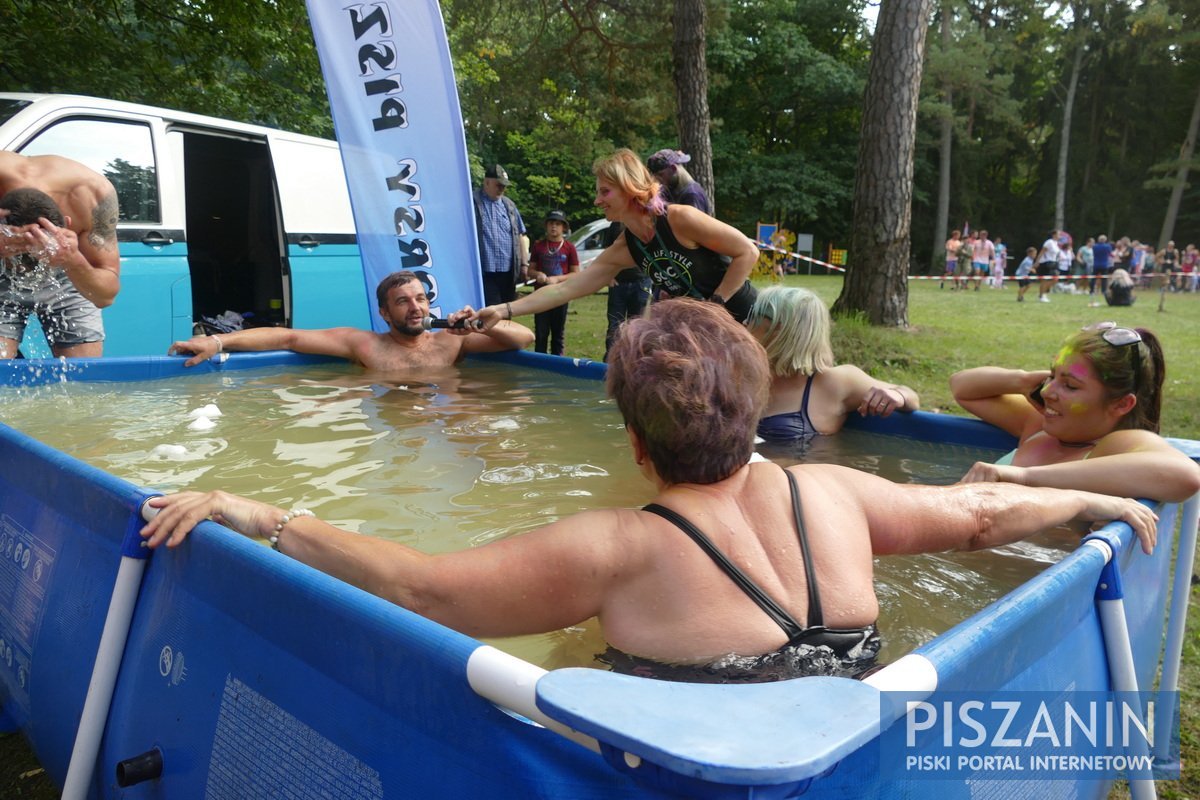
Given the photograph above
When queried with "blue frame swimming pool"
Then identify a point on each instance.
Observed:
(253, 675)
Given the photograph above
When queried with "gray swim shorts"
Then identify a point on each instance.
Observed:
(67, 317)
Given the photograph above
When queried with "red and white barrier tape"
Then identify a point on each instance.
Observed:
(826, 264)
(944, 276)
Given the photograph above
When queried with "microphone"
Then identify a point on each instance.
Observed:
(429, 323)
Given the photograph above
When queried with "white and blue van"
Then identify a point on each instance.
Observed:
(215, 216)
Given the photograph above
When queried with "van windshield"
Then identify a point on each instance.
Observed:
(10, 107)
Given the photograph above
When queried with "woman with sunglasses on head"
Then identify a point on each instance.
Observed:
(1090, 422)
(810, 393)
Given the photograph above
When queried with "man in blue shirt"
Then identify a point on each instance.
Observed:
(502, 251)
(1101, 263)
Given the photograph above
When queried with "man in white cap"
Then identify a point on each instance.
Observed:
(678, 185)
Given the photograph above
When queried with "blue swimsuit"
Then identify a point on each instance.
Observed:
(790, 425)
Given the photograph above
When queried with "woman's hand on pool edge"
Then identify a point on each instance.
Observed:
(987, 472)
(881, 401)
(1105, 507)
(179, 513)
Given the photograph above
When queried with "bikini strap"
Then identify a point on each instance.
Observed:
(808, 426)
(772, 609)
(815, 616)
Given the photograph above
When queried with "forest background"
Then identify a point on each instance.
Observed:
(547, 86)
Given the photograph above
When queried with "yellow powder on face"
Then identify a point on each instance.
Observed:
(1078, 408)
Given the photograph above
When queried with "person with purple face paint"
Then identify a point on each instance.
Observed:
(1090, 422)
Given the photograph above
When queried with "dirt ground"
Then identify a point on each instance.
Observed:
(20, 774)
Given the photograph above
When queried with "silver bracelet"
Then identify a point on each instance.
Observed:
(288, 517)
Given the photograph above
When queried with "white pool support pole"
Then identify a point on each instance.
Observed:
(1185, 560)
(109, 654)
(511, 684)
(1110, 606)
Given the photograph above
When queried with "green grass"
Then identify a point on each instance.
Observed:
(950, 330)
(954, 330)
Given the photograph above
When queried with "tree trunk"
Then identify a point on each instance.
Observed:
(1185, 157)
(877, 281)
(1089, 166)
(1064, 143)
(940, 225)
(691, 91)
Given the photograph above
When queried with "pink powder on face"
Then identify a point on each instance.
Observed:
(1078, 370)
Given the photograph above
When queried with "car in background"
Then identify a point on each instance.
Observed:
(589, 240)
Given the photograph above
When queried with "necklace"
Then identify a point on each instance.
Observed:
(1076, 444)
(647, 223)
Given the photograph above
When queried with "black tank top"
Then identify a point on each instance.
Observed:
(684, 271)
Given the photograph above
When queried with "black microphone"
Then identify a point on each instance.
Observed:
(429, 323)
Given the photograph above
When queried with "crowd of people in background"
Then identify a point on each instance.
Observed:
(1098, 267)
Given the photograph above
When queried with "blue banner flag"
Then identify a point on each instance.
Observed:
(395, 109)
(1014, 735)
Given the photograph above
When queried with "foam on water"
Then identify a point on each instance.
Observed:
(209, 411)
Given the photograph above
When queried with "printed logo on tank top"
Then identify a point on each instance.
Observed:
(670, 271)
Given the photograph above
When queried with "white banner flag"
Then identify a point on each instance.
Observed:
(395, 109)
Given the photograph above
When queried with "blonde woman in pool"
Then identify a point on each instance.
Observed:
(1090, 422)
(810, 393)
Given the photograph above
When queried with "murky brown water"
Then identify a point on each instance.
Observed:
(481, 452)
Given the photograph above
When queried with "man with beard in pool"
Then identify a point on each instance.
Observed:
(403, 305)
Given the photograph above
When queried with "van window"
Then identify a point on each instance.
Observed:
(9, 107)
(121, 151)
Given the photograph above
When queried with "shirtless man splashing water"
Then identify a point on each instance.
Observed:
(83, 266)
